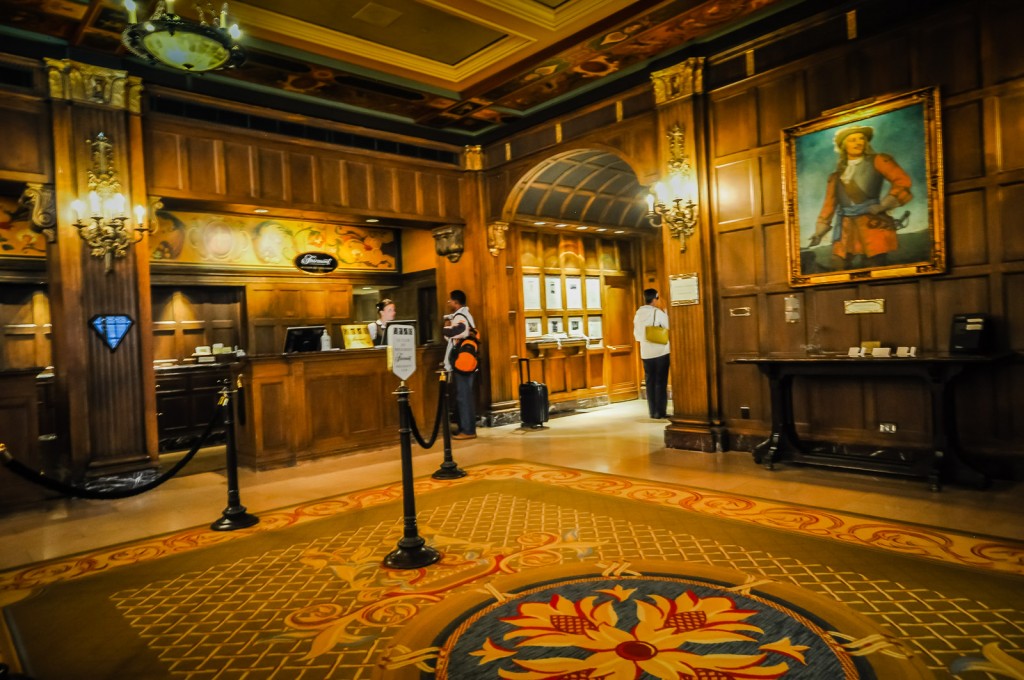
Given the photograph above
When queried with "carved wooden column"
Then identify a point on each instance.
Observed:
(105, 397)
(696, 423)
(481, 275)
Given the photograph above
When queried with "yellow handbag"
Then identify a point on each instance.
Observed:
(656, 334)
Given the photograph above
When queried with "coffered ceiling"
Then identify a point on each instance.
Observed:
(451, 66)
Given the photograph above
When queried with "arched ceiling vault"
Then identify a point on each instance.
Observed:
(587, 187)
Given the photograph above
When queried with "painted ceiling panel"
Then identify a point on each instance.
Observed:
(405, 25)
(465, 66)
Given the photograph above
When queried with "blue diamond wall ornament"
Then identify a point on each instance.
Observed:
(111, 328)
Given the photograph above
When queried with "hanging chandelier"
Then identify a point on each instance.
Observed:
(169, 39)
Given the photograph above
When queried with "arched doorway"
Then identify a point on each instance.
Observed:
(582, 244)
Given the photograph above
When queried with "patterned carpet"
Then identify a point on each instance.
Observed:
(303, 595)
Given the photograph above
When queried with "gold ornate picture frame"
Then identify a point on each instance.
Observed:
(863, 191)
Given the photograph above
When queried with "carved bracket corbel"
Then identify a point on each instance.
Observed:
(40, 199)
(449, 241)
(496, 237)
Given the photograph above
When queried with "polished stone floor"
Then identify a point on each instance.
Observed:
(617, 439)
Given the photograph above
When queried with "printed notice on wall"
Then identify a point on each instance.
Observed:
(531, 291)
(683, 289)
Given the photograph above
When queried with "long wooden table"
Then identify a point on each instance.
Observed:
(944, 460)
(303, 406)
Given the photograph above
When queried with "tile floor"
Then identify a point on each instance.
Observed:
(617, 439)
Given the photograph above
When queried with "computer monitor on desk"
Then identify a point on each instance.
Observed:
(303, 338)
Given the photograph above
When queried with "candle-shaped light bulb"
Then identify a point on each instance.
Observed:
(224, 15)
(130, 6)
(677, 187)
(77, 210)
(117, 203)
(140, 216)
(650, 202)
(659, 192)
(170, 6)
(94, 203)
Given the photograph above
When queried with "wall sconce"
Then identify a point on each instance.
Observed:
(101, 219)
(675, 206)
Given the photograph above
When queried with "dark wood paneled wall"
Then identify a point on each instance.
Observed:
(978, 62)
(186, 317)
(206, 162)
(27, 152)
(272, 307)
(25, 327)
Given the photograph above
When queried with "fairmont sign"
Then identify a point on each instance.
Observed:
(316, 263)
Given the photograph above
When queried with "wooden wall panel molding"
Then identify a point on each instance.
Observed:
(1010, 106)
(239, 171)
(302, 178)
(968, 243)
(734, 196)
(202, 163)
(963, 136)
(272, 307)
(982, 81)
(27, 155)
(272, 177)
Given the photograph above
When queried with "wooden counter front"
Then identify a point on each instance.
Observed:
(309, 405)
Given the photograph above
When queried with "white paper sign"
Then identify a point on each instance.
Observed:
(531, 291)
(402, 350)
(553, 292)
(683, 289)
(593, 292)
(574, 292)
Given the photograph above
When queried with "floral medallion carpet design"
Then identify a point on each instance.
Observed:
(625, 624)
(546, 573)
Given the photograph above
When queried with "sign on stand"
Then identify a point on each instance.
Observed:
(402, 350)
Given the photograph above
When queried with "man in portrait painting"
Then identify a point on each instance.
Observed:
(855, 210)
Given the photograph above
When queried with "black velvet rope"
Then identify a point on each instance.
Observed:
(437, 422)
(40, 478)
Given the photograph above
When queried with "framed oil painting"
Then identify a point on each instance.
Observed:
(863, 192)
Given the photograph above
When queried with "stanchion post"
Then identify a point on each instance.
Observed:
(412, 551)
(234, 515)
(449, 468)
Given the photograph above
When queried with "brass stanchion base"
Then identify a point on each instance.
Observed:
(235, 518)
(412, 553)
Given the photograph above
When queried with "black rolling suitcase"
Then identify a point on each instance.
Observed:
(533, 399)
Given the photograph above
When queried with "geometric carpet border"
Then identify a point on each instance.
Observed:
(1002, 555)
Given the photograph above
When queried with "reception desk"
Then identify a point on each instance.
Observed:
(303, 406)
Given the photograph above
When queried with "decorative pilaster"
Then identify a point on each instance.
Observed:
(473, 158)
(696, 420)
(685, 79)
(105, 397)
(77, 82)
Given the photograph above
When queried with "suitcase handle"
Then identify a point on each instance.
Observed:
(523, 360)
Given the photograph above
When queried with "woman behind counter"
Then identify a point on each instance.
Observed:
(385, 315)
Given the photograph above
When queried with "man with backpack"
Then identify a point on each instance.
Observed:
(461, 361)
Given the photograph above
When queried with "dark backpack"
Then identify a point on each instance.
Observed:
(466, 353)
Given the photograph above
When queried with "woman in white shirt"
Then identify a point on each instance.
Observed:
(385, 315)
(655, 355)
